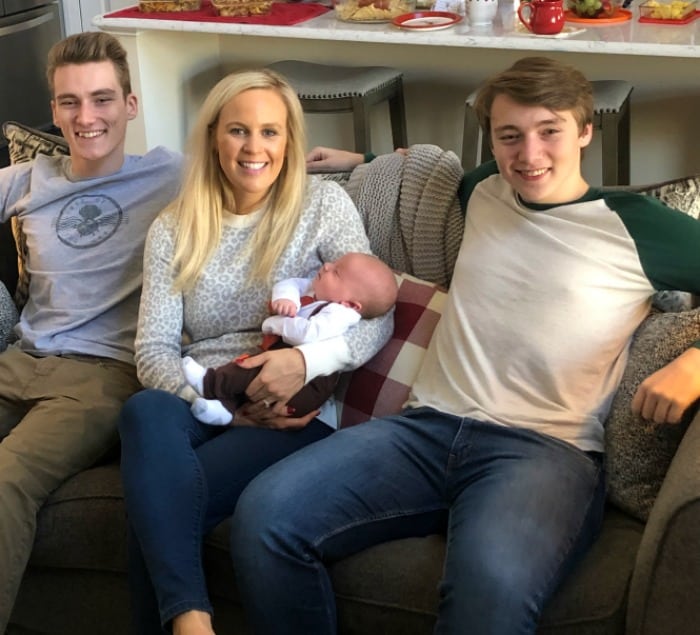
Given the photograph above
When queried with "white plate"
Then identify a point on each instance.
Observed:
(426, 20)
(567, 31)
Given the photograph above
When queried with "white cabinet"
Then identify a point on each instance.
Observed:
(78, 14)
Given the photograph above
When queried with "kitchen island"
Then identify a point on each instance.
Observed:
(174, 63)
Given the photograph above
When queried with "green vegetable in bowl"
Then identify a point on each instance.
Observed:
(593, 8)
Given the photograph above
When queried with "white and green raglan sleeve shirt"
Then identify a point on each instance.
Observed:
(544, 302)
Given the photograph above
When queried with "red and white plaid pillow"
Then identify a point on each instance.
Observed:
(381, 386)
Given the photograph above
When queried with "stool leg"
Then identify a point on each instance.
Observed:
(486, 154)
(623, 134)
(360, 116)
(609, 124)
(471, 140)
(397, 113)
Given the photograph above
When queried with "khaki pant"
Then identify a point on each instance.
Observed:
(58, 415)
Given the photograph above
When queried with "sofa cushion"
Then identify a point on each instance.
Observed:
(381, 386)
(639, 453)
(393, 588)
(25, 143)
(83, 523)
(8, 316)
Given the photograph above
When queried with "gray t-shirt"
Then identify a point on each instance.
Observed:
(85, 241)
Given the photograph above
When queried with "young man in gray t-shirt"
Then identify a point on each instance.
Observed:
(84, 217)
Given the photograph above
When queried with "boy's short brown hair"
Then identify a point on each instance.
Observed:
(91, 46)
(538, 81)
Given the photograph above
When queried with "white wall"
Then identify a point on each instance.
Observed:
(78, 14)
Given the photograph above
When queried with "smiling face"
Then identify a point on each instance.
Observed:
(90, 108)
(251, 142)
(538, 151)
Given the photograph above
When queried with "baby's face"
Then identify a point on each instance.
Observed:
(340, 281)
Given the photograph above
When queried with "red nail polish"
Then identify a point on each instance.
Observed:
(290, 410)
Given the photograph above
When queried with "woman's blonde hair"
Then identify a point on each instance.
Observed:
(206, 191)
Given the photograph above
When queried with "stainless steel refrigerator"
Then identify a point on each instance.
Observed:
(28, 29)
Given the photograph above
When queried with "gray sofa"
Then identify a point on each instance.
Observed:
(640, 577)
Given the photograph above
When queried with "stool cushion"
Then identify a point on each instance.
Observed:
(320, 81)
(609, 95)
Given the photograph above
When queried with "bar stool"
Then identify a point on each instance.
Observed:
(611, 115)
(325, 89)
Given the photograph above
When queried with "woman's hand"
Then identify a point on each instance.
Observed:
(331, 160)
(281, 376)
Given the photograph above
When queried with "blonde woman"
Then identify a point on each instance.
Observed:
(247, 216)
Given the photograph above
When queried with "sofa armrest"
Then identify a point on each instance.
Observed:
(663, 591)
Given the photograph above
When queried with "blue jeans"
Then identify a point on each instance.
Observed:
(521, 509)
(181, 478)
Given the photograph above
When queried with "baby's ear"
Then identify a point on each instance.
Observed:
(351, 304)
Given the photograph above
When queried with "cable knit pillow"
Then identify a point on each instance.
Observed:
(24, 143)
(639, 453)
(381, 386)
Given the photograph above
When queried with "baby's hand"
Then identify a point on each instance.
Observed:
(286, 308)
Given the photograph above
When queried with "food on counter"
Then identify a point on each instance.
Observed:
(372, 10)
(594, 8)
(242, 8)
(674, 10)
(151, 6)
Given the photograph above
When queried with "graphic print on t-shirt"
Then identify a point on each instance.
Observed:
(88, 220)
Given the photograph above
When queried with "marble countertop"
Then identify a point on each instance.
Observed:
(624, 38)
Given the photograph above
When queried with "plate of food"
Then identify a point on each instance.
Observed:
(371, 11)
(620, 15)
(426, 20)
(668, 11)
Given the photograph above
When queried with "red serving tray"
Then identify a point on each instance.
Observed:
(282, 14)
(686, 20)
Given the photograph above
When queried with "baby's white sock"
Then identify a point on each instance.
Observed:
(211, 411)
(194, 374)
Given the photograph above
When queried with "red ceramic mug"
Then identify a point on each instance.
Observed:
(544, 17)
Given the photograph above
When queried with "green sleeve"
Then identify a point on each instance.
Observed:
(667, 241)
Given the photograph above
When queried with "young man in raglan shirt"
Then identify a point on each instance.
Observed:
(503, 437)
(85, 218)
